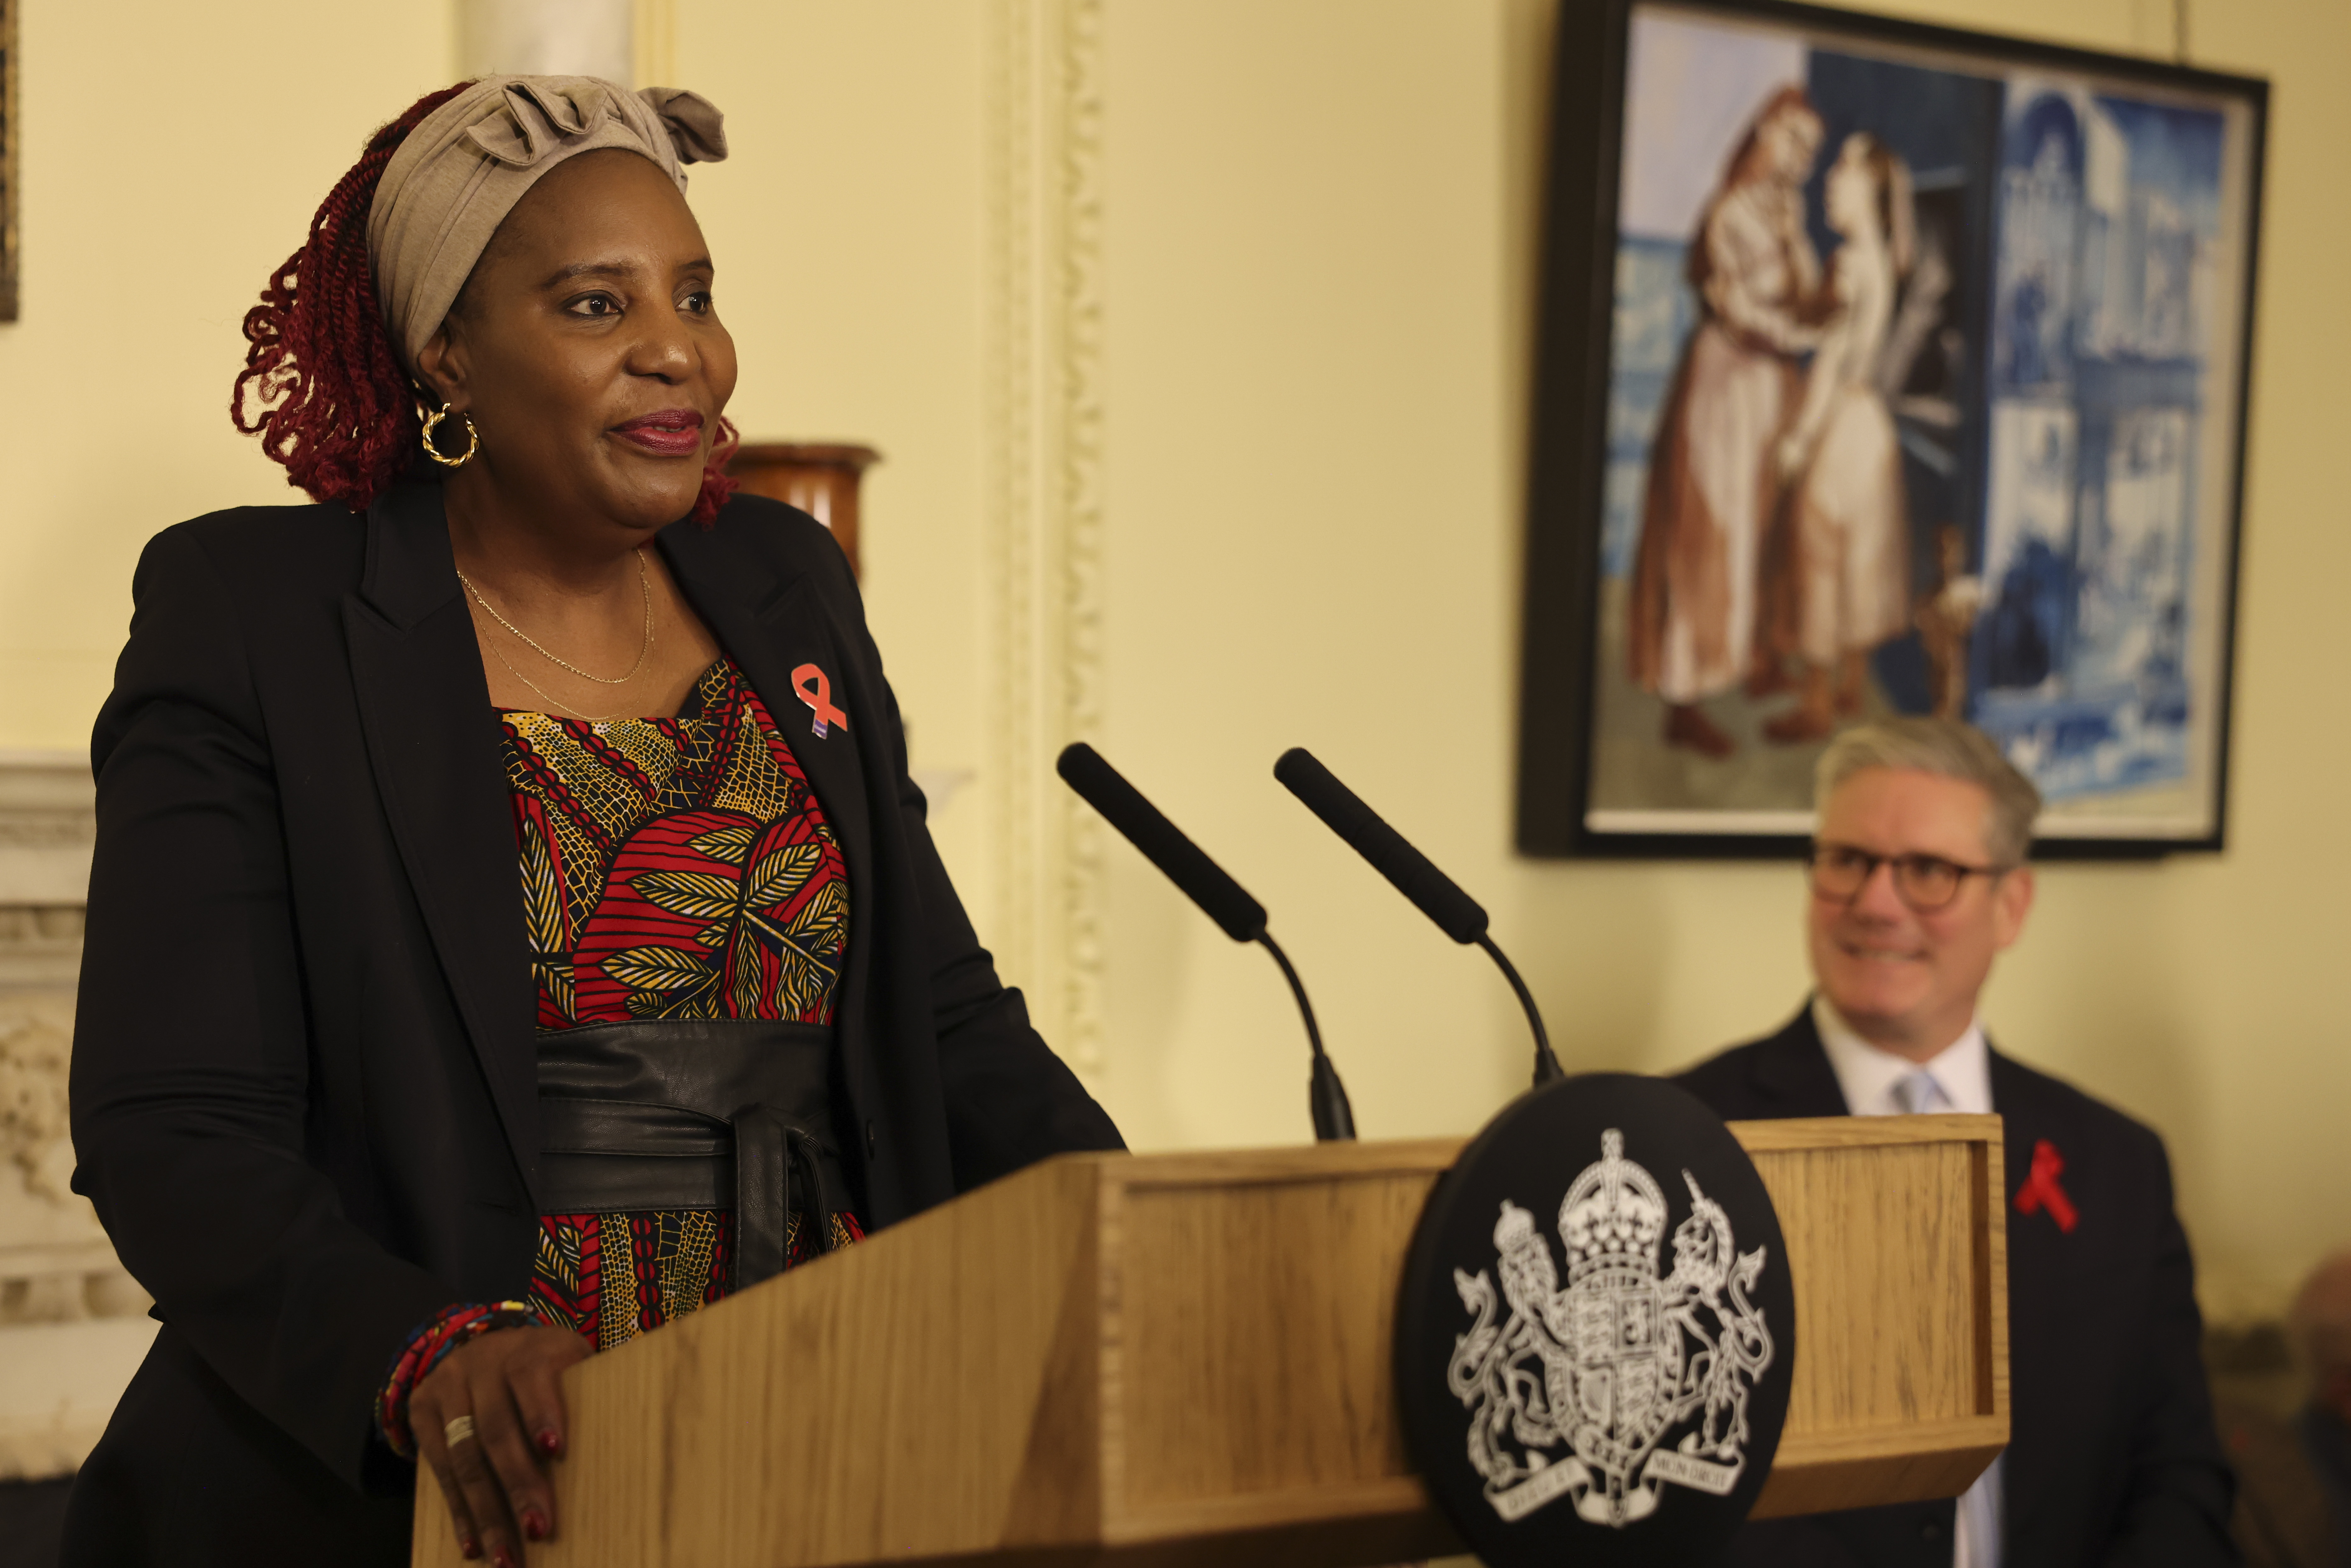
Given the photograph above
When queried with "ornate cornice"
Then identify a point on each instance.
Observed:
(1044, 428)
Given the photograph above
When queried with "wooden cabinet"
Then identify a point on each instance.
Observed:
(820, 480)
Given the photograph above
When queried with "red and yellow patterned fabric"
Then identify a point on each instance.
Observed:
(671, 869)
(675, 868)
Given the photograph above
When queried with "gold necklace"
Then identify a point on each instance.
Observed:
(591, 718)
(644, 585)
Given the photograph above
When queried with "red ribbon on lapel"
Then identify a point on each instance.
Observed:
(2041, 1189)
(817, 691)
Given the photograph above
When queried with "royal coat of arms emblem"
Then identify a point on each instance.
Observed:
(1578, 1392)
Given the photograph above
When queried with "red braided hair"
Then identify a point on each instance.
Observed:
(323, 384)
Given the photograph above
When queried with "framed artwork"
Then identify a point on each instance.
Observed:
(1883, 368)
(9, 111)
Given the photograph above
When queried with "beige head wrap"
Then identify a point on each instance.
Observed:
(465, 165)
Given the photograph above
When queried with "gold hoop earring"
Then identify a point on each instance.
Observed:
(431, 421)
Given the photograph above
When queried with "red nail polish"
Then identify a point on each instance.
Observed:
(467, 1547)
(534, 1524)
(549, 1443)
(503, 1557)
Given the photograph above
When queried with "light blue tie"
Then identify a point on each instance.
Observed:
(1917, 1094)
(1979, 1520)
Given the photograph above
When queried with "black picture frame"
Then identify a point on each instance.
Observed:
(1583, 791)
(10, 108)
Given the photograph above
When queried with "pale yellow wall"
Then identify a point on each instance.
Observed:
(1319, 221)
(848, 229)
(171, 153)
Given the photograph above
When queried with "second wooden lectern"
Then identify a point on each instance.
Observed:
(1170, 1358)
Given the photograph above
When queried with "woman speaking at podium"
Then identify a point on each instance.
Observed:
(512, 927)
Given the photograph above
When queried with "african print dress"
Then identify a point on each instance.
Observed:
(671, 869)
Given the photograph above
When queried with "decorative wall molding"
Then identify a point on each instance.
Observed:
(656, 43)
(72, 1323)
(1044, 442)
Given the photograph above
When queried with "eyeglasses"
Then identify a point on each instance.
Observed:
(1925, 883)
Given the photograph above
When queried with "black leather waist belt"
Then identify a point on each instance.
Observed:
(694, 1114)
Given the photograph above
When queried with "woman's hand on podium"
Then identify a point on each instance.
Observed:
(506, 1385)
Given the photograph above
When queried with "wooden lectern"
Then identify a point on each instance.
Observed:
(1171, 1358)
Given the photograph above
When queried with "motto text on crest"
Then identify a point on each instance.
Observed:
(1621, 1361)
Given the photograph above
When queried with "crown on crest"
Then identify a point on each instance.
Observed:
(1612, 1218)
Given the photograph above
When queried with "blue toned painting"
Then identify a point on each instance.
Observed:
(2107, 227)
(1912, 402)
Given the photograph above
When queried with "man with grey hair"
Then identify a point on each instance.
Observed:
(1917, 881)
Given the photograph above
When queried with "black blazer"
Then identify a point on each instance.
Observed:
(304, 1080)
(2112, 1455)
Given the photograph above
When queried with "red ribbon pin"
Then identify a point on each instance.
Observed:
(2041, 1189)
(817, 691)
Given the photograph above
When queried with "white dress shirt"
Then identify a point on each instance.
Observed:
(1957, 1078)
(1961, 1071)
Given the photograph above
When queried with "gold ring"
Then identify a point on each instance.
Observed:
(460, 1430)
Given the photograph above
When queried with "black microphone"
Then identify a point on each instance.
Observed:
(1432, 892)
(1220, 898)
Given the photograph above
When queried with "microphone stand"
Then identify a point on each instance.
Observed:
(1412, 873)
(1547, 1067)
(1335, 1118)
(1220, 898)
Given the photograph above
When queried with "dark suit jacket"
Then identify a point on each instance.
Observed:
(304, 1077)
(2112, 1456)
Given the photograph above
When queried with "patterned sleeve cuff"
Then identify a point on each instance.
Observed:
(426, 1349)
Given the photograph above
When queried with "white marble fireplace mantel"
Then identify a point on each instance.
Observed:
(73, 1325)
